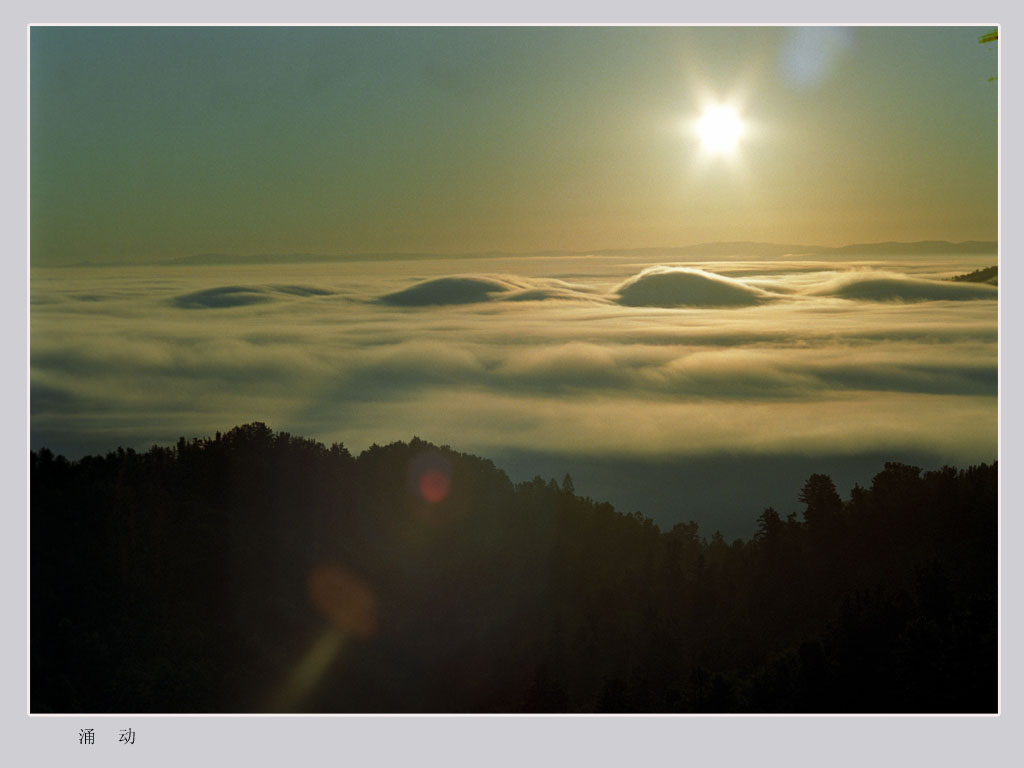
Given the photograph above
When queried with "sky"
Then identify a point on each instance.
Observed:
(157, 143)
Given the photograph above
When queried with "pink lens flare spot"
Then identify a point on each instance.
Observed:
(434, 485)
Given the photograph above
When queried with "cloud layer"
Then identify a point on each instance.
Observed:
(598, 356)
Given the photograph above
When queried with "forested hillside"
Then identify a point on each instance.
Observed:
(257, 571)
(988, 275)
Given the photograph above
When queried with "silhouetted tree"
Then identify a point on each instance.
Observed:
(821, 501)
(197, 578)
(769, 525)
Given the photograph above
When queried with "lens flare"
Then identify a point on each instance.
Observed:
(343, 599)
(308, 672)
(434, 486)
(430, 476)
(350, 605)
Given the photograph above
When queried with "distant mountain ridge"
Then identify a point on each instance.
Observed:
(923, 247)
(718, 248)
(892, 248)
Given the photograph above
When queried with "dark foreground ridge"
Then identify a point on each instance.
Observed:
(257, 572)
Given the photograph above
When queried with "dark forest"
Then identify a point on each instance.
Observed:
(261, 572)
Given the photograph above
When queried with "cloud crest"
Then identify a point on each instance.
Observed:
(670, 287)
(660, 286)
(228, 296)
(687, 287)
(448, 290)
(882, 286)
(477, 289)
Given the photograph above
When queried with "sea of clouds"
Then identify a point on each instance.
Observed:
(601, 356)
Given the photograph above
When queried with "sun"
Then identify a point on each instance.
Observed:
(720, 129)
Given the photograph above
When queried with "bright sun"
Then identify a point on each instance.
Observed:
(720, 129)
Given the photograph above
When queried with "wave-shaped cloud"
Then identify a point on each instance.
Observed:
(474, 289)
(222, 297)
(677, 286)
(687, 287)
(654, 287)
(448, 290)
(884, 286)
(227, 296)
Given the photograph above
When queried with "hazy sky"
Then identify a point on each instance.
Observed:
(153, 143)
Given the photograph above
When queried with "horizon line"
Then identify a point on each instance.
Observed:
(777, 250)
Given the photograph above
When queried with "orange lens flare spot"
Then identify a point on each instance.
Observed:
(434, 485)
(343, 599)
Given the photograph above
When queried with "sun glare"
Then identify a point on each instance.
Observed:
(720, 129)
